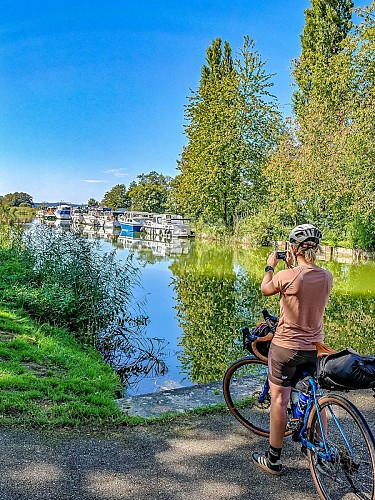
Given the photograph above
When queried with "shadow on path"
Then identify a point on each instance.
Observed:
(198, 457)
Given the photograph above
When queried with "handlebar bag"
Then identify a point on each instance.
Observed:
(346, 370)
(261, 330)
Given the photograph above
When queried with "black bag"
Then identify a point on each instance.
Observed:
(346, 370)
(261, 330)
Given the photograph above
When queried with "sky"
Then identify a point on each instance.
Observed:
(92, 93)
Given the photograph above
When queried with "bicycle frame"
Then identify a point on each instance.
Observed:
(314, 392)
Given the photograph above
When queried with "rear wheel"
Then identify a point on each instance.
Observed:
(350, 473)
(247, 394)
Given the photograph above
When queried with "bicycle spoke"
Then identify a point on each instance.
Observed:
(350, 471)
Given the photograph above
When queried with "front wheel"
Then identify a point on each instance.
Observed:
(247, 395)
(350, 471)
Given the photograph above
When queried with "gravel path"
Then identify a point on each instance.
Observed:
(199, 457)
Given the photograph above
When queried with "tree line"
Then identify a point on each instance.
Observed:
(248, 169)
(257, 173)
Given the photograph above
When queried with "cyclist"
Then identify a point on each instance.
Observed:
(304, 290)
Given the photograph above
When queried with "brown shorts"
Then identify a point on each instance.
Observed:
(283, 364)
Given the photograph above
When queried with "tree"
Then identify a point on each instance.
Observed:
(233, 123)
(117, 197)
(327, 24)
(92, 203)
(15, 199)
(323, 171)
(150, 193)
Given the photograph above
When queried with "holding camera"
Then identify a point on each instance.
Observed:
(304, 290)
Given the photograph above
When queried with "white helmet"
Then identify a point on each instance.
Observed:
(305, 232)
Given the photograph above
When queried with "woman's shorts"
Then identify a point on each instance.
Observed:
(283, 364)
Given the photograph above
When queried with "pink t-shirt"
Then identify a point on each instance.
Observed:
(304, 292)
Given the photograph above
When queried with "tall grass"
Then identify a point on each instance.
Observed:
(68, 281)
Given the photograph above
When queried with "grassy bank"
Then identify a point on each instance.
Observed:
(48, 378)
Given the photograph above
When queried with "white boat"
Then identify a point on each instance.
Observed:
(63, 212)
(109, 220)
(133, 221)
(91, 218)
(77, 216)
(169, 225)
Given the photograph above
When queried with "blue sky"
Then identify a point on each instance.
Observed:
(92, 93)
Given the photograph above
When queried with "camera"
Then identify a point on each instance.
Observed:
(281, 255)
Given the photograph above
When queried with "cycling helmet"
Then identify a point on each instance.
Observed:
(305, 232)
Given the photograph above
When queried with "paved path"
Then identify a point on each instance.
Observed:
(195, 458)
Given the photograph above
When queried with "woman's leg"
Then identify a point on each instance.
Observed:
(279, 402)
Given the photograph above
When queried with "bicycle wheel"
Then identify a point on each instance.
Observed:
(247, 396)
(351, 471)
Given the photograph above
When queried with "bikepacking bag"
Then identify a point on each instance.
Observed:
(261, 330)
(346, 370)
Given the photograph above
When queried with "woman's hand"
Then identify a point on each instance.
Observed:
(272, 260)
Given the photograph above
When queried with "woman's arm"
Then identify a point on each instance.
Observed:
(267, 287)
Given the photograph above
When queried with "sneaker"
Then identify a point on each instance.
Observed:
(264, 463)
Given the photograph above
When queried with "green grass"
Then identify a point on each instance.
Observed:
(47, 378)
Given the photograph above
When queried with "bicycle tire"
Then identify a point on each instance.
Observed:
(243, 382)
(345, 476)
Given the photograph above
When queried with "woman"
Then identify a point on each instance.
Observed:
(304, 291)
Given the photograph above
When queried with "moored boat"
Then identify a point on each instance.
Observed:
(169, 225)
(133, 221)
(63, 212)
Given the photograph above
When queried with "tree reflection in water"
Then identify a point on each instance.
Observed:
(217, 293)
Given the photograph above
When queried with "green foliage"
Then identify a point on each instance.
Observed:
(150, 193)
(233, 124)
(92, 202)
(75, 285)
(323, 170)
(327, 23)
(117, 197)
(15, 199)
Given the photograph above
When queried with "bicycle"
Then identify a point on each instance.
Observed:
(334, 435)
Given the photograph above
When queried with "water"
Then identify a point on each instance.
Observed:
(199, 295)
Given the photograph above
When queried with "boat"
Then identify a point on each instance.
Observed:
(49, 213)
(63, 212)
(77, 216)
(109, 220)
(91, 218)
(169, 225)
(133, 221)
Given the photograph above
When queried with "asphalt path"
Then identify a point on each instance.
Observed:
(199, 457)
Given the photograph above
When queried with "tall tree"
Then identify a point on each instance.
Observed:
(150, 193)
(228, 134)
(327, 24)
(325, 172)
(117, 197)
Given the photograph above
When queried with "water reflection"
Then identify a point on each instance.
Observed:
(217, 292)
(200, 295)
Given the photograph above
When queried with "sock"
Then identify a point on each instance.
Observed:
(274, 454)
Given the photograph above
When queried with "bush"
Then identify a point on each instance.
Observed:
(77, 286)
(263, 228)
(362, 232)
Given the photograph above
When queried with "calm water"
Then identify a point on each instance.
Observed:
(199, 295)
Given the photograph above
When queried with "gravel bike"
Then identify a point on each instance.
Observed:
(335, 436)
